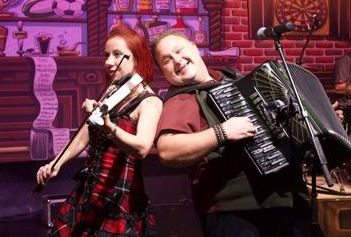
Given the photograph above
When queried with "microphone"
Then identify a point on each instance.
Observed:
(274, 32)
(113, 81)
(116, 82)
(125, 56)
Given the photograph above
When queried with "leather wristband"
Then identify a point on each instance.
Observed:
(220, 134)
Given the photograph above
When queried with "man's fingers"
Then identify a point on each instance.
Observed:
(335, 104)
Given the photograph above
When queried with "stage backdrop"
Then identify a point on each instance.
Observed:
(51, 60)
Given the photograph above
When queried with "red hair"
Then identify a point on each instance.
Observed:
(139, 48)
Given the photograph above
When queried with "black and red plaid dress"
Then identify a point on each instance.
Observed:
(109, 199)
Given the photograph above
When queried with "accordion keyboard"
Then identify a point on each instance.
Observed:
(227, 101)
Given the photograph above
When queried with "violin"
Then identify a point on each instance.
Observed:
(114, 97)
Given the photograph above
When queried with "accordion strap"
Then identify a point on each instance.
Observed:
(189, 89)
(229, 74)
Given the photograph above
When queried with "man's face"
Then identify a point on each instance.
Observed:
(180, 61)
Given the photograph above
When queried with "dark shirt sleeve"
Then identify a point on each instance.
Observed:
(342, 71)
(181, 114)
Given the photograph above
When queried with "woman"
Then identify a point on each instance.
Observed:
(109, 198)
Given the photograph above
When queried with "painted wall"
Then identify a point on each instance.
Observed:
(320, 54)
(17, 178)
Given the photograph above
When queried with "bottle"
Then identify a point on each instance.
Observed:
(163, 5)
(200, 36)
(182, 28)
(155, 27)
(141, 29)
(4, 31)
(186, 6)
(119, 21)
(124, 5)
(144, 5)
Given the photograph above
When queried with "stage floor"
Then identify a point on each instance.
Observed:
(172, 221)
(31, 226)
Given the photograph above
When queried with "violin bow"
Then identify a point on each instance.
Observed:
(105, 93)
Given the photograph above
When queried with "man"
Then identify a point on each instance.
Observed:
(342, 72)
(229, 196)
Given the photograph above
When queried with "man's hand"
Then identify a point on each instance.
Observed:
(339, 112)
(238, 128)
(340, 86)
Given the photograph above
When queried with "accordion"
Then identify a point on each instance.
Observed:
(267, 98)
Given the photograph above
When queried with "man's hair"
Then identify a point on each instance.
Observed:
(161, 36)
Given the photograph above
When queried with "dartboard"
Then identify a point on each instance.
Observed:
(300, 13)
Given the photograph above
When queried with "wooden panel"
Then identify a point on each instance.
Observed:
(334, 216)
(77, 78)
(97, 26)
(214, 8)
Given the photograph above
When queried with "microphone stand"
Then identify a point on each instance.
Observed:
(102, 96)
(299, 60)
(311, 28)
(317, 151)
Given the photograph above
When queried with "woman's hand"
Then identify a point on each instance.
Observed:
(89, 105)
(46, 172)
(109, 128)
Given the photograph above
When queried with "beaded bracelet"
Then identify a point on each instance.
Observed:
(220, 134)
(223, 131)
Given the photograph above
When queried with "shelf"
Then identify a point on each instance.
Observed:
(157, 13)
(32, 19)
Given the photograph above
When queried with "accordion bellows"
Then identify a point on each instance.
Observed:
(266, 96)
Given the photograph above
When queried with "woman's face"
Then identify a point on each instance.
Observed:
(115, 49)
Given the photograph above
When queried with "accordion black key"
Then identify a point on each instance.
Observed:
(266, 97)
(227, 101)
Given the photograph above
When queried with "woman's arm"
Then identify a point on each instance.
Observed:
(80, 141)
(139, 145)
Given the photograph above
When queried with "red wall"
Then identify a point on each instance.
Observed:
(319, 56)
